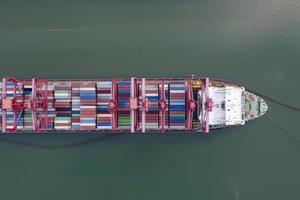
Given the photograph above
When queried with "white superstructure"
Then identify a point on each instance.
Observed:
(228, 105)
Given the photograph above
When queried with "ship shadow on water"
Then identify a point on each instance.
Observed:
(73, 140)
(55, 140)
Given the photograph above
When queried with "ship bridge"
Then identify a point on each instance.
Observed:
(227, 107)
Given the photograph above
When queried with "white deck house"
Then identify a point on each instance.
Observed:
(227, 107)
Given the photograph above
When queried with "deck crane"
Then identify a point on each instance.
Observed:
(37, 104)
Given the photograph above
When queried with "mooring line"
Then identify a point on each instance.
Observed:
(292, 137)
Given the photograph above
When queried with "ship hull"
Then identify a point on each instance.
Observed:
(125, 105)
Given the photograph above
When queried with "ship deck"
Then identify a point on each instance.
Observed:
(99, 105)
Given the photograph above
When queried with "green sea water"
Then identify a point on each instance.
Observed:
(255, 43)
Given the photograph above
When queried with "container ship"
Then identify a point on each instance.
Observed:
(125, 105)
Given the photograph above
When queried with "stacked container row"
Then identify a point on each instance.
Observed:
(104, 94)
(167, 100)
(76, 105)
(51, 109)
(124, 104)
(9, 114)
(27, 114)
(88, 106)
(152, 98)
(177, 105)
(62, 96)
(1, 84)
(20, 99)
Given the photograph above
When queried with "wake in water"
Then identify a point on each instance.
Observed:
(236, 192)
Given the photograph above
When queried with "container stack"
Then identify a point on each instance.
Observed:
(1, 105)
(177, 105)
(9, 89)
(9, 95)
(124, 104)
(51, 109)
(27, 120)
(9, 119)
(76, 105)
(152, 97)
(20, 99)
(104, 94)
(88, 106)
(27, 114)
(167, 99)
(62, 96)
